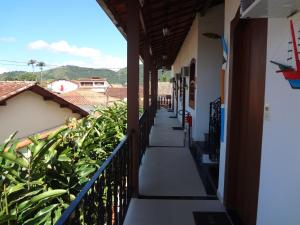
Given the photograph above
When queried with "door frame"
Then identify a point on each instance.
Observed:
(232, 122)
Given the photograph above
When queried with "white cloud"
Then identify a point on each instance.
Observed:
(8, 39)
(3, 70)
(92, 57)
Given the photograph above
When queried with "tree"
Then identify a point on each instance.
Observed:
(41, 65)
(32, 62)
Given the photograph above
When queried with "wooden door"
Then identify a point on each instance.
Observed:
(245, 119)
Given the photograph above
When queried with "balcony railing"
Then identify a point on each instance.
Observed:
(165, 101)
(106, 197)
(214, 134)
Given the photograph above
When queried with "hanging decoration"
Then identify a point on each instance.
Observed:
(291, 74)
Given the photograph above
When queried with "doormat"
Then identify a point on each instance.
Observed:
(178, 128)
(211, 218)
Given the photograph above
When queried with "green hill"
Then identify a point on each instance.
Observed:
(75, 72)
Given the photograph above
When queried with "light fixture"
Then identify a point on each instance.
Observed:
(165, 31)
(164, 57)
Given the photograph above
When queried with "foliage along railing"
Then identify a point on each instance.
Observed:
(165, 101)
(105, 198)
(214, 130)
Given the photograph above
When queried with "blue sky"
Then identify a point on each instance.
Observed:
(58, 32)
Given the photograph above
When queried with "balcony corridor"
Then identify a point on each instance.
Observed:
(170, 186)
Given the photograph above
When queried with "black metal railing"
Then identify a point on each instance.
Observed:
(165, 101)
(143, 134)
(214, 133)
(105, 198)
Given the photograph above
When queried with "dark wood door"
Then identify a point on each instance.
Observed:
(246, 109)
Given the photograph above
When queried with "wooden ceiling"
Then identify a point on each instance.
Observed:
(175, 15)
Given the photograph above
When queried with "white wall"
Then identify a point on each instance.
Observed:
(29, 113)
(67, 86)
(210, 58)
(279, 198)
(188, 51)
(208, 55)
(279, 193)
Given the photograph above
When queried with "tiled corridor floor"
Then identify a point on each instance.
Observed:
(170, 186)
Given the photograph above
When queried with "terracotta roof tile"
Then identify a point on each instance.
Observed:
(10, 88)
(75, 98)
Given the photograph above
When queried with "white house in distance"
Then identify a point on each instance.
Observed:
(96, 84)
(30, 109)
(62, 86)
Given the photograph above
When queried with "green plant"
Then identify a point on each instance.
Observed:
(39, 182)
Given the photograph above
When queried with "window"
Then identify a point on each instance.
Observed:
(97, 83)
(192, 84)
(86, 84)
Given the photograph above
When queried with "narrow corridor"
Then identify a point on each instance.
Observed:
(171, 189)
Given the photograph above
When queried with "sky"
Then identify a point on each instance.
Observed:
(58, 32)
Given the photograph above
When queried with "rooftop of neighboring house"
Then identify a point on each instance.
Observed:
(85, 97)
(117, 92)
(121, 92)
(76, 98)
(10, 89)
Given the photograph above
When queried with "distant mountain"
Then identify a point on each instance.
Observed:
(75, 72)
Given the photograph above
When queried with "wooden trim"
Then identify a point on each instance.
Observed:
(233, 25)
(246, 91)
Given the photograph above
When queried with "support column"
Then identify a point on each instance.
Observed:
(133, 89)
(152, 92)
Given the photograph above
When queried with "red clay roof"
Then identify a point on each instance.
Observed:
(9, 89)
(75, 98)
(119, 92)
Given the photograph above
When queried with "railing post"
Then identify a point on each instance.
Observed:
(133, 88)
(155, 89)
(146, 86)
(153, 99)
(183, 101)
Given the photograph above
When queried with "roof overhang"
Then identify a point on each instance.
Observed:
(164, 23)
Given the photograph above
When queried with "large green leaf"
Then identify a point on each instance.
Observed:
(4, 219)
(42, 216)
(14, 159)
(7, 142)
(48, 194)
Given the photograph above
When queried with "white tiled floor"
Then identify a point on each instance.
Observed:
(168, 171)
(168, 212)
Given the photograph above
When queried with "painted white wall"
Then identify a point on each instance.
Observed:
(208, 55)
(209, 64)
(57, 85)
(279, 197)
(231, 7)
(28, 113)
(188, 51)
